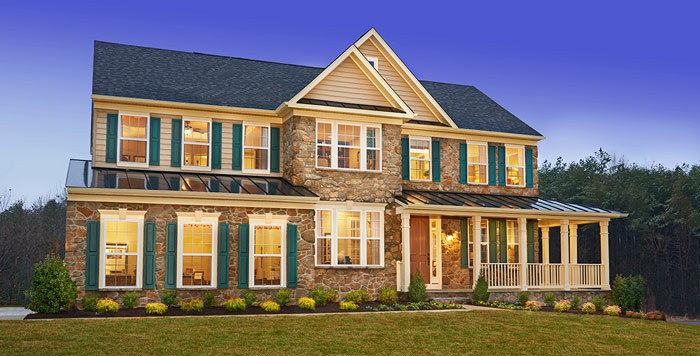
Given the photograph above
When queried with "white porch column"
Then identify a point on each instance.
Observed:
(545, 245)
(522, 244)
(604, 255)
(477, 249)
(406, 250)
(573, 243)
(564, 237)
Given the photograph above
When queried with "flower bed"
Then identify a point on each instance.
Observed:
(564, 306)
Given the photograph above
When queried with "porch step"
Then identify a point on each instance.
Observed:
(450, 296)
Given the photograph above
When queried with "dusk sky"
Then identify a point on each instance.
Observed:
(621, 77)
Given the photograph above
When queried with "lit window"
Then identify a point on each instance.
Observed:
(484, 241)
(256, 148)
(349, 237)
(477, 163)
(196, 249)
(196, 143)
(515, 166)
(348, 146)
(121, 249)
(512, 237)
(420, 158)
(267, 255)
(470, 243)
(324, 144)
(373, 150)
(133, 138)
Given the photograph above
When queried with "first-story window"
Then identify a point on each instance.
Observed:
(121, 248)
(349, 237)
(484, 241)
(196, 143)
(477, 163)
(133, 138)
(515, 166)
(267, 255)
(420, 158)
(256, 148)
(512, 241)
(348, 146)
(197, 249)
(470, 243)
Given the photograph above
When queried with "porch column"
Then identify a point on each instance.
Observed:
(406, 250)
(573, 243)
(522, 244)
(545, 245)
(564, 237)
(477, 249)
(604, 255)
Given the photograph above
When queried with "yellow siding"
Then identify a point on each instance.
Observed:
(166, 129)
(226, 145)
(348, 84)
(99, 148)
(402, 88)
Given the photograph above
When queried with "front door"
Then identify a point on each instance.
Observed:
(425, 245)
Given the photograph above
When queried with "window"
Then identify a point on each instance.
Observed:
(348, 238)
(121, 250)
(374, 61)
(484, 241)
(267, 255)
(420, 158)
(197, 249)
(256, 148)
(515, 166)
(512, 237)
(470, 243)
(477, 163)
(348, 146)
(196, 143)
(133, 138)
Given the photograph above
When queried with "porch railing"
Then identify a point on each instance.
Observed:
(501, 275)
(545, 275)
(586, 275)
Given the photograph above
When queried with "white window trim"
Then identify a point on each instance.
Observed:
(121, 215)
(267, 220)
(209, 144)
(374, 60)
(197, 217)
(485, 165)
(522, 168)
(363, 235)
(363, 146)
(120, 137)
(268, 148)
(430, 158)
(485, 231)
(516, 239)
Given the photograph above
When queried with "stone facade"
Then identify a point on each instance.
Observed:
(453, 275)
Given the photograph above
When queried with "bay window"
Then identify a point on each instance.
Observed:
(348, 146)
(420, 158)
(477, 163)
(196, 143)
(256, 148)
(133, 138)
(347, 238)
(515, 166)
(197, 249)
(121, 248)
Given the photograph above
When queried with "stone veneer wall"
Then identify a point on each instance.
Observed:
(342, 280)
(453, 275)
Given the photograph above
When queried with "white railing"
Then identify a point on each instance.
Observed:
(545, 275)
(586, 275)
(501, 275)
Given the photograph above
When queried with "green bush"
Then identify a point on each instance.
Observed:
(549, 299)
(348, 305)
(52, 289)
(322, 296)
(249, 297)
(523, 297)
(575, 302)
(168, 297)
(628, 292)
(307, 303)
(107, 305)
(416, 289)
(209, 298)
(195, 305)
(388, 296)
(156, 308)
(233, 305)
(282, 296)
(481, 291)
(331, 295)
(357, 296)
(270, 306)
(562, 306)
(598, 302)
(130, 299)
(90, 302)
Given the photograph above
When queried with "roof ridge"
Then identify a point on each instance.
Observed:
(445, 83)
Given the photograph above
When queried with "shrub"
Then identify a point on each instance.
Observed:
(52, 289)
(481, 291)
(575, 302)
(249, 297)
(628, 292)
(130, 299)
(357, 296)
(523, 297)
(533, 305)
(236, 304)
(90, 302)
(656, 315)
(168, 297)
(388, 296)
(282, 296)
(598, 303)
(416, 289)
(549, 299)
(307, 303)
(107, 305)
(270, 306)
(322, 295)
(562, 306)
(209, 298)
(195, 305)
(588, 308)
(156, 308)
(612, 310)
(348, 306)
(331, 295)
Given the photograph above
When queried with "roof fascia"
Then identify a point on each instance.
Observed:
(468, 134)
(505, 212)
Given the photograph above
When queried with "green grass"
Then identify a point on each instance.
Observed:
(454, 332)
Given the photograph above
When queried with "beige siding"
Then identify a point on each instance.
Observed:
(226, 145)
(99, 149)
(166, 129)
(399, 85)
(348, 84)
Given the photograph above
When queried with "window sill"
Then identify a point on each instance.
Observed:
(196, 169)
(132, 165)
(350, 267)
(348, 170)
(197, 288)
(119, 289)
(264, 287)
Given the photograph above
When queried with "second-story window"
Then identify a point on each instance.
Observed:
(348, 146)
(515, 166)
(196, 143)
(477, 163)
(420, 158)
(133, 138)
(256, 148)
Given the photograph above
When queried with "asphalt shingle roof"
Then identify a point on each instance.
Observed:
(159, 74)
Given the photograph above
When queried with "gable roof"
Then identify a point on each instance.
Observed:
(185, 77)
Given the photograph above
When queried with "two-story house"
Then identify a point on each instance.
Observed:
(220, 174)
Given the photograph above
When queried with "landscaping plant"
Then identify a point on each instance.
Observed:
(130, 299)
(628, 292)
(249, 297)
(282, 296)
(416, 289)
(533, 305)
(656, 315)
(523, 297)
(209, 298)
(562, 306)
(612, 310)
(348, 306)
(322, 296)
(598, 302)
(156, 308)
(52, 289)
(358, 296)
(481, 291)
(235, 304)
(307, 303)
(90, 302)
(107, 305)
(195, 305)
(575, 302)
(549, 299)
(588, 308)
(388, 296)
(168, 297)
(270, 306)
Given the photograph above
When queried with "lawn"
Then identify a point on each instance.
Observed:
(452, 332)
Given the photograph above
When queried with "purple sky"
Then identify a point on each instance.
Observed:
(622, 77)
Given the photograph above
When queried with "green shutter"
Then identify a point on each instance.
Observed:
(493, 241)
(176, 144)
(463, 163)
(154, 142)
(504, 242)
(92, 256)
(112, 132)
(243, 255)
(492, 165)
(531, 241)
(216, 145)
(405, 159)
(464, 243)
(529, 173)
(502, 165)
(237, 147)
(275, 149)
(222, 257)
(292, 236)
(171, 256)
(436, 160)
(149, 256)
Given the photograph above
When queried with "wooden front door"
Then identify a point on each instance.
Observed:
(420, 247)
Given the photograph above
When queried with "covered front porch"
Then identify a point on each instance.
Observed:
(504, 238)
